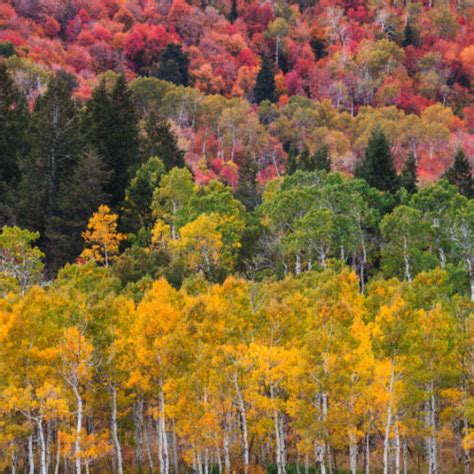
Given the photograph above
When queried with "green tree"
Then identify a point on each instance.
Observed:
(13, 142)
(20, 261)
(377, 166)
(174, 65)
(246, 191)
(113, 130)
(234, 14)
(406, 243)
(321, 159)
(56, 144)
(79, 197)
(292, 164)
(159, 140)
(265, 88)
(408, 176)
(460, 174)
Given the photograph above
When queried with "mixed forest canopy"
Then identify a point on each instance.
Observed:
(236, 236)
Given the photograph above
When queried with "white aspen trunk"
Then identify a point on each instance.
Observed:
(466, 455)
(227, 443)
(48, 446)
(283, 441)
(353, 453)
(165, 468)
(219, 459)
(77, 443)
(388, 423)
(434, 453)
(137, 420)
(367, 453)
(406, 260)
(42, 446)
(243, 416)
(306, 463)
(298, 264)
(397, 449)
(148, 435)
(31, 455)
(115, 438)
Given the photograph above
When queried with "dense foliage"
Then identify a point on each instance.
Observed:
(236, 236)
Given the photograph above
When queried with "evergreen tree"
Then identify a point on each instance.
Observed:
(304, 159)
(113, 124)
(56, 142)
(233, 15)
(321, 160)
(246, 191)
(408, 176)
(292, 163)
(160, 141)
(174, 65)
(13, 126)
(377, 166)
(79, 197)
(410, 37)
(265, 88)
(460, 174)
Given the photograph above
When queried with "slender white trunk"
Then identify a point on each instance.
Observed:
(42, 446)
(405, 456)
(77, 443)
(367, 453)
(165, 465)
(227, 443)
(353, 453)
(298, 264)
(388, 423)
(58, 455)
(115, 438)
(397, 449)
(243, 417)
(31, 455)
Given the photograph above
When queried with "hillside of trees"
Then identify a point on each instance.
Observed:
(236, 237)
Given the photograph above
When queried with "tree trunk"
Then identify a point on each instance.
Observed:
(243, 416)
(137, 420)
(42, 446)
(115, 438)
(388, 423)
(165, 466)
(77, 443)
(397, 449)
(31, 455)
(353, 453)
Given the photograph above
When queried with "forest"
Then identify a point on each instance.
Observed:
(236, 237)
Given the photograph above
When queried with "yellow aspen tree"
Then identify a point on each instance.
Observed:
(101, 237)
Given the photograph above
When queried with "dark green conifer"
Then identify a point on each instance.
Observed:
(377, 166)
(460, 174)
(265, 88)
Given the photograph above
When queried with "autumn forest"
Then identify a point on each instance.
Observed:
(236, 236)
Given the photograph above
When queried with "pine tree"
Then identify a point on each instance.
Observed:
(304, 159)
(410, 35)
(78, 199)
(292, 163)
(246, 191)
(377, 166)
(408, 176)
(460, 174)
(56, 142)
(233, 15)
(160, 141)
(321, 160)
(265, 88)
(113, 123)
(174, 65)
(13, 142)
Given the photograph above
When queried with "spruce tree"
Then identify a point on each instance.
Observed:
(113, 123)
(292, 163)
(377, 166)
(160, 141)
(460, 174)
(409, 35)
(233, 15)
(265, 88)
(79, 197)
(56, 142)
(174, 64)
(408, 176)
(321, 160)
(13, 142)
(246, 191)
(304, 159)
